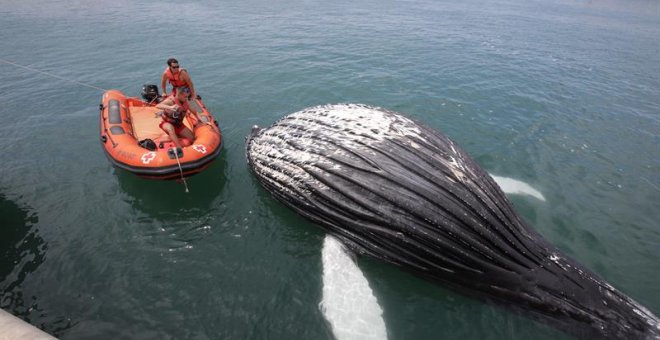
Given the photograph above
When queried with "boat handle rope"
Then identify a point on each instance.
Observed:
(176, 154)
(105, 127)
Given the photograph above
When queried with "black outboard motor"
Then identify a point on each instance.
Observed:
(150, 93)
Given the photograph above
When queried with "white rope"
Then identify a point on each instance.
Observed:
(176, 154)
(51, 75)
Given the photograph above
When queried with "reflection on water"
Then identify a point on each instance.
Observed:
(22, 255)
(159, 198)
(23, 251)
(21, 247)
(174, 220)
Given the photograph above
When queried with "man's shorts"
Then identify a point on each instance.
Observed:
(177, 129)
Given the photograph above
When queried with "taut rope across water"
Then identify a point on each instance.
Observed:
(52, 75)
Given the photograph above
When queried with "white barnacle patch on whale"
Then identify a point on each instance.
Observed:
(557, 260)
(351, 123)
(456, 169)
(316, 136)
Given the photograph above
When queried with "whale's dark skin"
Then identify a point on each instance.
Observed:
(398, 191)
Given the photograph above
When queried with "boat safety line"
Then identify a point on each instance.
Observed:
(51, 75)
(176, 154)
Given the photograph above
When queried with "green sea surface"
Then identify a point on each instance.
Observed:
(563, 95)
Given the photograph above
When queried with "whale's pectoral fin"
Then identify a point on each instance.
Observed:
(512, 186)
(344, 288)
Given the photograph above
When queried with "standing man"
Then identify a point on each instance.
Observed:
(177, 77)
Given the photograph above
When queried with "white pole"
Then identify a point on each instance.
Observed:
(12, 328)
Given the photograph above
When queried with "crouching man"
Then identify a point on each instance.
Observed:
(175, 108)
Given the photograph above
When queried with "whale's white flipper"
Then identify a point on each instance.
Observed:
(348, 303)
(514, 186)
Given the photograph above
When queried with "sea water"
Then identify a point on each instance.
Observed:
(562, 96)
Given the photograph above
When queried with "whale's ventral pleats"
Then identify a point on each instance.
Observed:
(401, 192)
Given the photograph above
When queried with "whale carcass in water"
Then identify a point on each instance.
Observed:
(401, 192)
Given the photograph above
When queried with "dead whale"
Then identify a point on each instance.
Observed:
(393, 189)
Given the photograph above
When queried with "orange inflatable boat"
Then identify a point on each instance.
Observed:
(127, 125)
